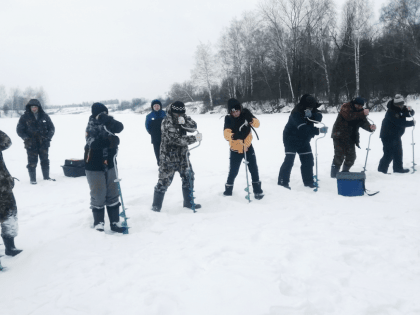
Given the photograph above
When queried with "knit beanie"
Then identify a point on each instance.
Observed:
(398, 100)
(34, 102)
(359, 101)
(233, 103)
(178, 107)
(98, 108)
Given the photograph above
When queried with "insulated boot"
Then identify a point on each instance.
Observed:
(258, 193)
(32, 176)
(334, 170)
(114, 219)
(228, 190)
(284, 184)
(346, 168)
(9, 243)
(98, 219)
(157, 201)
(403, 170)
(310, 185)
(46, 173)
(382, 169)
(187, 199)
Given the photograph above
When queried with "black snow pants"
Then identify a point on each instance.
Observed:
(235, 164)
(33, 154)
(392, 152)
(156, 147)
(306, 158)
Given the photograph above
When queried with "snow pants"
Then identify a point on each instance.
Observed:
(235, 164)
(344, 150)
(103, 188)
(33, 154)
(8, 215)
(392, 152)
(167, 172)
(306, 158)
(156, 147)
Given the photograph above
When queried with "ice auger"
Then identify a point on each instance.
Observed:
(316, 180)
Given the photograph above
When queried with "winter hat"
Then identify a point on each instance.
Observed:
(178, 107)
(34, 102)
(156, 102)
(310, 101)
(98, 108)
(359, 101)
(233, 103)
(398, 100)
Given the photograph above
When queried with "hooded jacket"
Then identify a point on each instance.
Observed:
(395, 121)
(348, 122)
(299, 130)
(154, 124)
(231, 132)
(35, 132)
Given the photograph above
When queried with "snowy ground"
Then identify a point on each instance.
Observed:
(294, 252)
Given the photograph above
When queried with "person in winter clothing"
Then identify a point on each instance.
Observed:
(238, 140)
(153, 125)
(101, 147)
(393, 127)
(173, 154)
(297, 135)
(8, 209)
(346, 135)
(36, 129)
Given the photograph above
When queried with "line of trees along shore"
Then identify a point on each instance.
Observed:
(286, 48)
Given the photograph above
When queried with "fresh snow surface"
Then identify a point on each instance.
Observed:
(294, 252)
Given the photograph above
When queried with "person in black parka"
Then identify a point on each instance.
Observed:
(36, 129)
(393, 128)
(100, 149)
(154, 124)
(297, 136)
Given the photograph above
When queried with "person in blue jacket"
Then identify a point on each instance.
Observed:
(393, 128)
(153, 125)
(297, 136)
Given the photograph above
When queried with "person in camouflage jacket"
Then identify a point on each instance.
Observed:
(173, 154)
(8, 208)
(36, 129)
(346, 135)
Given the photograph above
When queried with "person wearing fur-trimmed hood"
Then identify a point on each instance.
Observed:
(173, 154)
(238, 140)
(393, 128)
(100, 149)
(297, 135)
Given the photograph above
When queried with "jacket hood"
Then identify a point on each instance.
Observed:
(307, 100)
(156, 102)
(33, 102)
(234, 103)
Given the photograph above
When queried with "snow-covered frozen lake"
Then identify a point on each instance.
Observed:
(294, 252)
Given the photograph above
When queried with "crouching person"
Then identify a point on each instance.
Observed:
(297, 135)
(393, 128)
(238, 141)
(346, 135)
(173, 154)
(101, 147)
(8, 209)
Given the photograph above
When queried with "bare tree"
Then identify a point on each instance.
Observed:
(182, 92)
(3, 95)
(204, 73)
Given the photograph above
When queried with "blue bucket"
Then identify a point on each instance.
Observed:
(351, 184)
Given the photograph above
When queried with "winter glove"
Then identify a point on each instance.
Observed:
(323, 129)
(198, 137)
(248, 116)
(181, 120)
(308, 113)
(103, 118)
(114, 141)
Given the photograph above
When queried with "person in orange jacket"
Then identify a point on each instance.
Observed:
(238, 140)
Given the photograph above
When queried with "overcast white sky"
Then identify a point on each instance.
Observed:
(91, 50)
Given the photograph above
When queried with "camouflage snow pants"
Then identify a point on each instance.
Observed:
(33, 154)
(344, 150)
(167, 172)
(8, 215)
